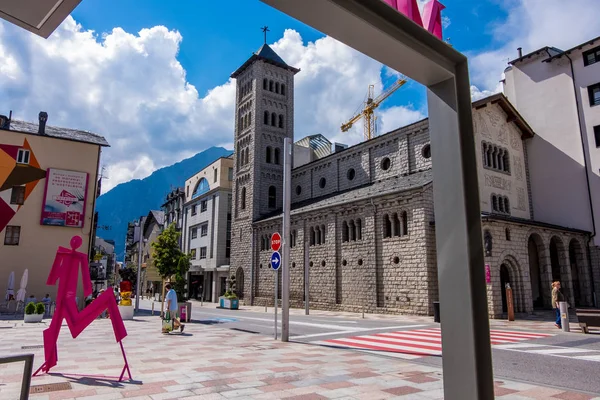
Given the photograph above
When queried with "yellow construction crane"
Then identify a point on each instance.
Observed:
(368, 112)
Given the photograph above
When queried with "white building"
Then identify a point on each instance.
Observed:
(206, 233)
(558, 93)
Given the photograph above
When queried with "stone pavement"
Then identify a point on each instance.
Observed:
(210, 362)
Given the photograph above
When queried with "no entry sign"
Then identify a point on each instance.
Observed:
(275, 241)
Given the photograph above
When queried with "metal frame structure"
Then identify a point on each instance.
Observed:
(377, 30)
(27, 370)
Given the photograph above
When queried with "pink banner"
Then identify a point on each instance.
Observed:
(64, 198)
(488, 274)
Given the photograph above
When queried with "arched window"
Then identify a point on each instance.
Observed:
(318, 234)
(312, 236)
(240, 122)
(281, 120)
(262, 243)
(249, 117)
(359, 229)
(268, 155)
(352, 228)
(501, 204)
(270, 86)
(277, 87)
(507, 234)
(272, 197)
(396, 225)
(283, 89)
(495, 157)
(276, 156)
(345, 236)
(506, 206)
(200, 188)
(506, 162)
(404, 219)
(494, 203)
(265, 84)
(238, 157)
(266, 118)
(243, 198)
(247, 156)
(323, 234)
(387, 228)
(273, 119)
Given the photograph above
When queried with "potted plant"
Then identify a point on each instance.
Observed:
(128, 275)
(230, 300)
(32, 312)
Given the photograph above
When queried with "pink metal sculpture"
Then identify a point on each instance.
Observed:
(432, 14)
(65, 270)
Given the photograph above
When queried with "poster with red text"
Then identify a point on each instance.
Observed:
(64, 198)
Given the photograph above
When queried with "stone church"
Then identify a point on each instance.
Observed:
(363, 220)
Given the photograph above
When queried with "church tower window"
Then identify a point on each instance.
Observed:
(266, 118)
(272, 197)
(283, 89)
(277, 87)
(243, 202)
(273, 119)
(265, 84)
(268, 160)
(270, 86)
(276, 156)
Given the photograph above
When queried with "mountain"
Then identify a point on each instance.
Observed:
(130, 200)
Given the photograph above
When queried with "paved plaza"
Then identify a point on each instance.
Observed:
(210, 361)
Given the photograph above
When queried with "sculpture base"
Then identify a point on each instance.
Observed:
(126, 312)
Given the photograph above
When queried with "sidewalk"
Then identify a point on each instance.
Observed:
(209, 362)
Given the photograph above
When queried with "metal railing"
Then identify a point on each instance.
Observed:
(27, 371)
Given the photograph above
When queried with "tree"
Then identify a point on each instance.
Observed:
(169, 260)
(129, 273)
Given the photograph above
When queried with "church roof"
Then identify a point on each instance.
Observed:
(383, 187)
(266, 54)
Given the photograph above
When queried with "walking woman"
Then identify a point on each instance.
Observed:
(557, 297)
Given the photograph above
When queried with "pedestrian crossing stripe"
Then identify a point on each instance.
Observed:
(418, 343)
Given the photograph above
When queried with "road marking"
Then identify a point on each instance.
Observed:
(354, 331)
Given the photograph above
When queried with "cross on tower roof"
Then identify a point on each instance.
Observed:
(265, 29)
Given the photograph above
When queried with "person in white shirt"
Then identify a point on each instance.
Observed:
(171, 299)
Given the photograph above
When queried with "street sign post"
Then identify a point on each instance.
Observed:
(276, 264)
(275, 241)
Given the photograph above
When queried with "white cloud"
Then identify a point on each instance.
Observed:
(132, 89)
(533, 24)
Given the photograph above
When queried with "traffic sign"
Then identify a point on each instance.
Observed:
(275, 260)
(275, 241)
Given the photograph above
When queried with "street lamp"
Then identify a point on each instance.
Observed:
(139, 269)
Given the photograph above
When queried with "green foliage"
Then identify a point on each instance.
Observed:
(170, 261)
(230, 295)
(129, 273)
(30, 308)
(40, 308)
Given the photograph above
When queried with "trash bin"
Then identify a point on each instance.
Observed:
(436, 311)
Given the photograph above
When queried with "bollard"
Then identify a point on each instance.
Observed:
(265, 307)
(152, 308)
(510, 305)
(564, 316)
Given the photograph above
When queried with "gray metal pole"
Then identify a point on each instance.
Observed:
(285, 256)
(306, 274)
(139, 270)
(276, 290)
(564, 316)
(467, 359)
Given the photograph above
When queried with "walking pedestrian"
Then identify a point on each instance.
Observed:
(171, 299)
(557, 297)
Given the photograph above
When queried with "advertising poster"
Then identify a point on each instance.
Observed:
(64, 198)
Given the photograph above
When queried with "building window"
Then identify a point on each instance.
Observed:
(507, 234)
(230, 174)
(500, 204)
(494, 157)
(247, 156)
(283, 89)
(277, 87)
(281, 120)
(352, 231)
(17, 195)
(395, 225)
(345, 232)
(194, 233)
(23, 156)
(216, 173)
(426, 151)
(270, 86)
(359, 229)
(597, 135)
(386, 164)
(594, 93)
(591, 56)
(202, 253)
(193, 254)
(266, 118)
(273, 119)
(194, 210)
(298, 190)
(12, 235)
(272, 197)
(351, 174)
(268, 155)
(276, 156)
(204, 230)
(387, 226)
(265, 84)
(322, 183)
(294, 237)
(201, 187)
(243, 198)
(312, 236)
(203, 205)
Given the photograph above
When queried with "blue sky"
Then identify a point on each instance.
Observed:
(154, 79)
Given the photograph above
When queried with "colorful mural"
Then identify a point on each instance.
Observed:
(20, 172)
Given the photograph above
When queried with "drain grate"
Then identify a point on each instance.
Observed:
(243, 330)
(37, 346)
(50, 387)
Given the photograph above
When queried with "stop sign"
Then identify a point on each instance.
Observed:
(276, 241)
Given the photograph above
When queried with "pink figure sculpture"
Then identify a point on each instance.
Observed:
(65, 270)
(432, 14)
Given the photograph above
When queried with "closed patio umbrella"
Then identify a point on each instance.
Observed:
(10, 288)
(21, 293)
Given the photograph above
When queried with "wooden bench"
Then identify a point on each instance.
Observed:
(588, 317)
